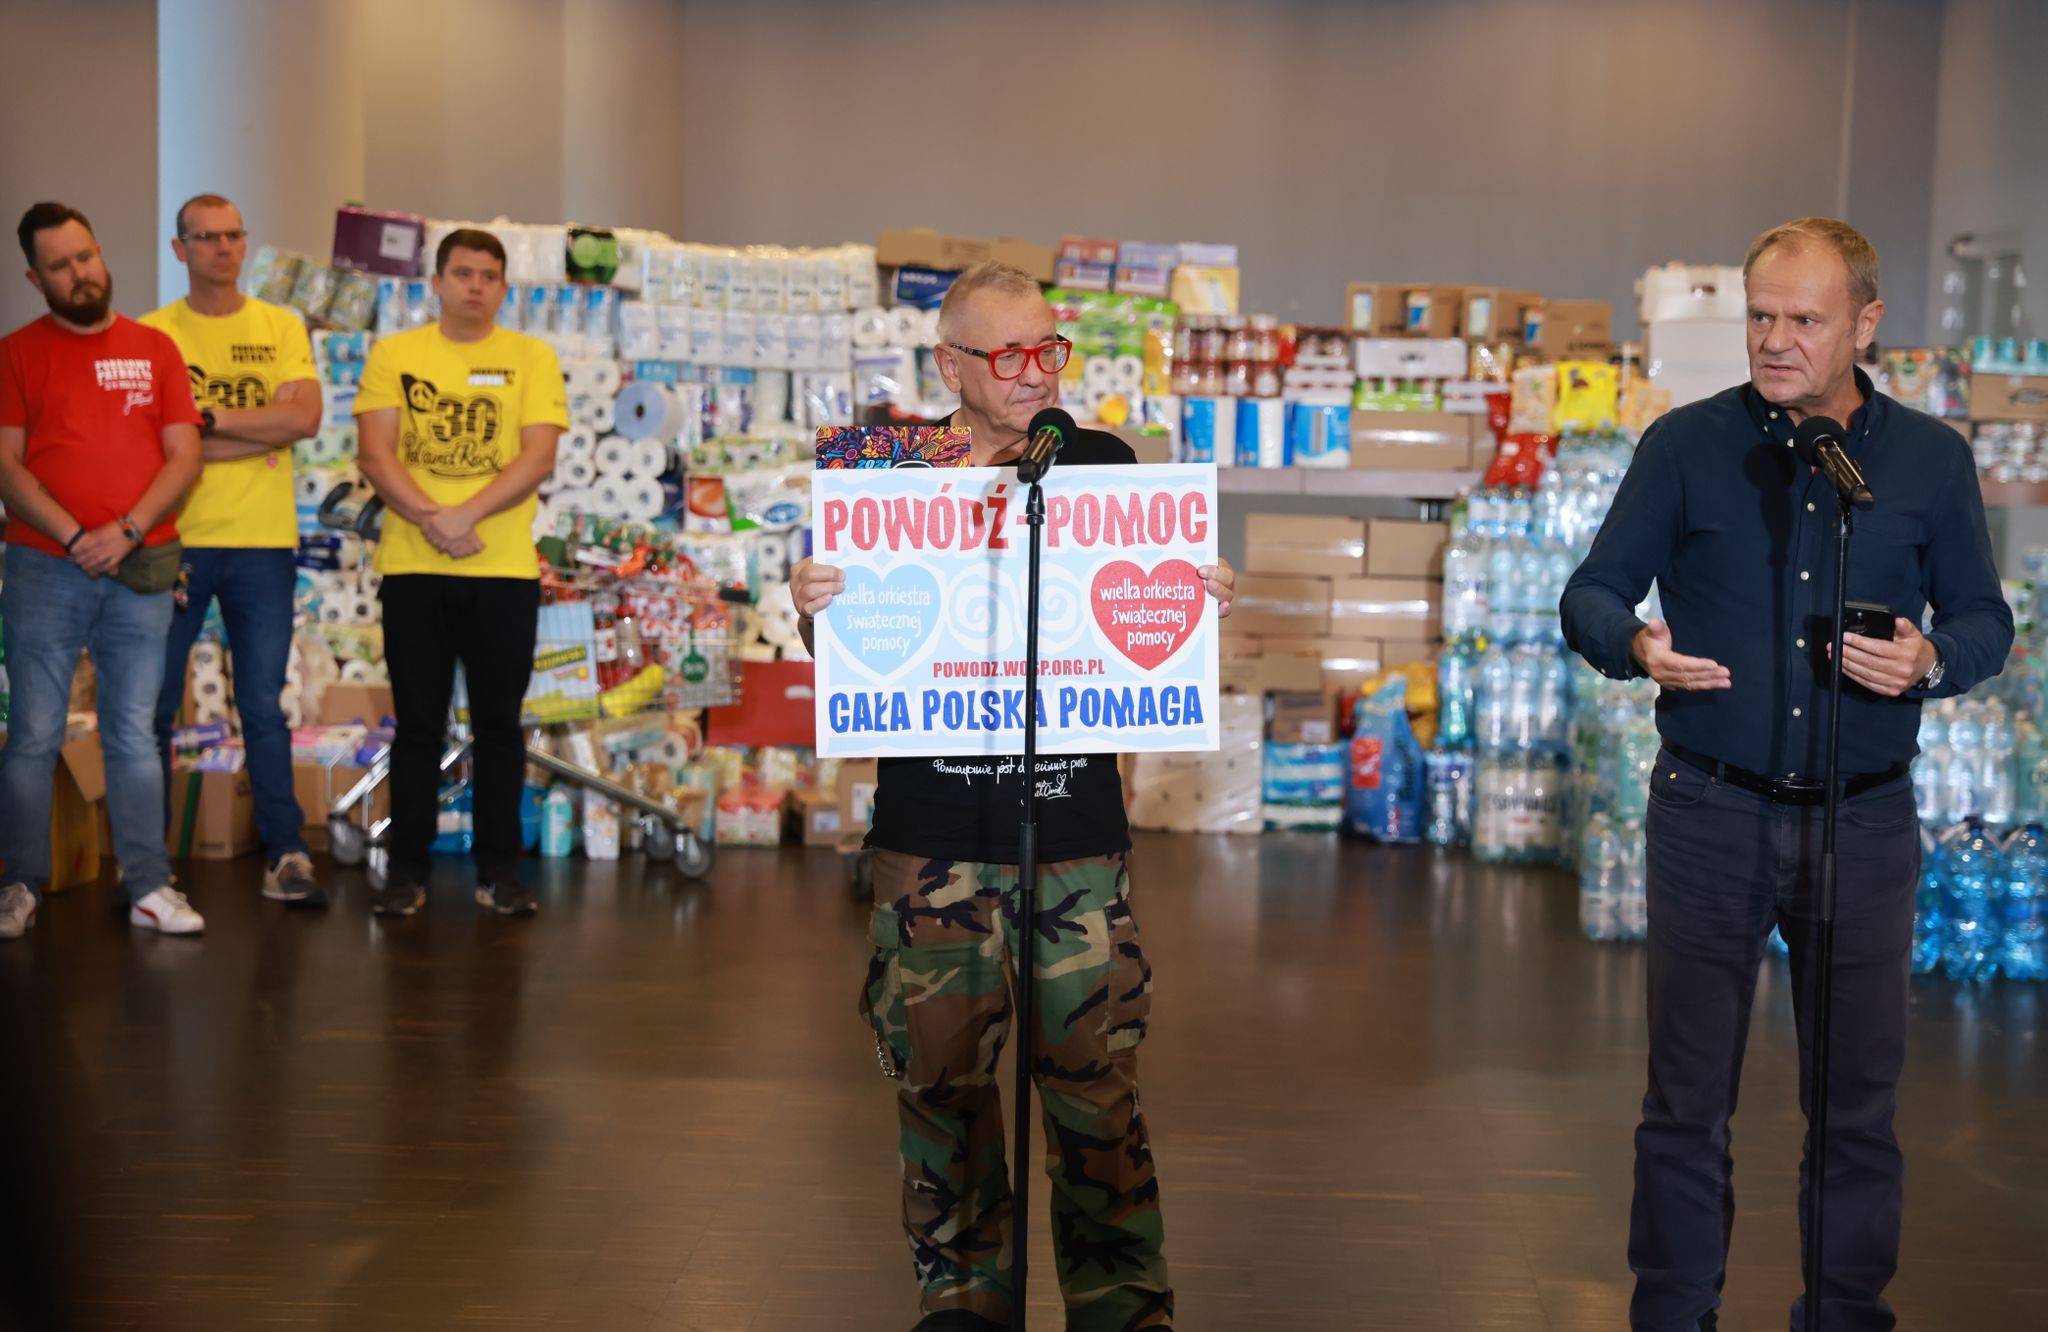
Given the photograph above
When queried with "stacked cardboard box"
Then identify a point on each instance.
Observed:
(1206, 792)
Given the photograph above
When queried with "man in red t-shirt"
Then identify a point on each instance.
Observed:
(99, 441)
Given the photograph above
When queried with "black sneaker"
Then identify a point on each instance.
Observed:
(958, 1320)
(506, 899)
(398, 898)
(291, 881)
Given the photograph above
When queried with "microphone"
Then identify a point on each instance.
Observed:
(1818, 442)
(1049, 431)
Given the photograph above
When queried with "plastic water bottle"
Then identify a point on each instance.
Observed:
(1455, 684)
(1448, 776)
(1465, 613)
(1976, 906)
(1491, 700)
(1634, 902)
(1600, 880)
(1995, 784)
(2023, 954)
(1552, 698)
(1960, 796)
(1504, 591)
(1930, 901)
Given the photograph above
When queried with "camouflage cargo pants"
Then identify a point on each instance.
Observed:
(938, 998)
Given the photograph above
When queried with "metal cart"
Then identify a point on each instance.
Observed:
(686, 661)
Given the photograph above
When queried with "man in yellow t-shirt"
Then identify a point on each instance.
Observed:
(251, 368)
(458, 423)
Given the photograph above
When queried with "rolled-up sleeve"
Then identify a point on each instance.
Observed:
(1972, 626)
(1635, 544)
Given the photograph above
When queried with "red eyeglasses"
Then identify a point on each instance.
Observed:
(1008, 362)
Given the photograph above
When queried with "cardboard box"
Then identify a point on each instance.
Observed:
(1386, 608)
(1494, 314)
(1304, 718)
(854, 798)
(1570, 328)
(1425, 441)
(78, 812)
(1314, 545)
(2009, 397)
(1348, 663)
(213, 816)
(816, 816)
(1408, 652)
(343, 702)
(1268, 675)
(373, 242)
(1231, 646)
(922, 247)
(1216, 792)
(1396, 548)
(1274, 604)
(1372, 309)
(317, 786)
(1429, 309)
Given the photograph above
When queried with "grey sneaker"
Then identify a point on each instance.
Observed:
(398, 898)
(17, 910)
(291, 881)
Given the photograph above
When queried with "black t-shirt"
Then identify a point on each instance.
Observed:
(969, 808)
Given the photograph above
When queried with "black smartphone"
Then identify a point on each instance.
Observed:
(1868, 619)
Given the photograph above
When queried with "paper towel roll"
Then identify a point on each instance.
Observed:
(573, 473)
(579, 378)
(643, 499)
(601, 416)
(614, 456)
(645, 411)
(609, 496)
(208, 657)
(579, 442)
(1098, 372)
(772, 556)
(870, 328)
(650, 457)
(928, 328)
(605, 378)
(309, 487)
(577, 499)
(357, 672)
(771, 398)
(1127, 374)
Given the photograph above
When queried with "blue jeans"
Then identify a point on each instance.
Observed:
(52, 610)
(255, 587)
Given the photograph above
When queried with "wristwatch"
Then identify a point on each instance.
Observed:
(206, 419)
(1932, 680)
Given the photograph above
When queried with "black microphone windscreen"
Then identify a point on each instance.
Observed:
(1806, 440)
(1056, 419)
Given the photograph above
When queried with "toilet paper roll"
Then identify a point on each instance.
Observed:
(357, 672)
(645, 411)
(779, 617)
(601, 416)
(1098, 372)
(608, 497)
(928, 328)
(578, 442)
(771, 398)
(650, 457)
(358, 609)
(772, 556)
(209, 687)
(1127, 374)
(579, 378)
(573, 474)
(643, 499)
(310, 487)
(614, 456)
(605, 378)
(577, 499)
(1261, 434)
(870, 328)
(208, 657)
(906, 327)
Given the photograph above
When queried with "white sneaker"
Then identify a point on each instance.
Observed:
(17, 910)
(167, 912)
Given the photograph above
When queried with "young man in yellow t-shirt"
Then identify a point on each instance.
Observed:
(458, 423)
(252, 374)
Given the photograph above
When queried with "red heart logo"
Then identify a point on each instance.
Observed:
(1147, 616)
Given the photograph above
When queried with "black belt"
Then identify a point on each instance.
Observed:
(1786, 790)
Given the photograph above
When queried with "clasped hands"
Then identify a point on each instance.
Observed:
(451, 530)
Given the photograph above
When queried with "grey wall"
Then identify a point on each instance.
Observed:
(78, 107)
(1991, 162)
(1560, 146)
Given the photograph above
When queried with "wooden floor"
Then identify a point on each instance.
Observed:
(1388, 1090)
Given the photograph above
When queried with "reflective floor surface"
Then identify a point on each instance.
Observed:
(1388, 1089)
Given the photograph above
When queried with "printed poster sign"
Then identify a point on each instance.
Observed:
(923, 653)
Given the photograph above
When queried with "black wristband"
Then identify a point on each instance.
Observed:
(76, 537)
(206, 420)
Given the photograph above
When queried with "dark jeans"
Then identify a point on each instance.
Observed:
(1724, 866)
(255, 587)
(432, 621)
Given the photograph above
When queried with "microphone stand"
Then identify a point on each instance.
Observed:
(1824, 944)
(1025, 982)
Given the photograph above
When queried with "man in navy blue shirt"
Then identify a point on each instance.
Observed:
(1739, 537)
